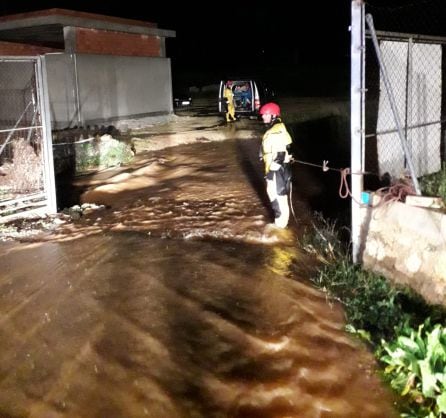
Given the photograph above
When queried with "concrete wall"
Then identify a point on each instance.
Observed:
(408, 245)
(107, 88)
(62, 90)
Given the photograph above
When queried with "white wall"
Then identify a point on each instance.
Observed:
(408, 245)
(107, 88)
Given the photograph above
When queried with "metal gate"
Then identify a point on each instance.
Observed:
(398, 99)
(27, 186)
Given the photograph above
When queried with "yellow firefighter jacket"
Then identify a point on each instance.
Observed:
(275, 140)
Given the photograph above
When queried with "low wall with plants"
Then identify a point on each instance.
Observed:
(79, 155)
(408, 245)
(406, 334)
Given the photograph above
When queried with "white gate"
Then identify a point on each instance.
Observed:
(27, 186)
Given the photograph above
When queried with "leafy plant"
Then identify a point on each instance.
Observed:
(416, 368)
(104, 154)
(435, 184)
(378, 311)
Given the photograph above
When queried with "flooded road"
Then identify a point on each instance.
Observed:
(123, 325)
(177, 301)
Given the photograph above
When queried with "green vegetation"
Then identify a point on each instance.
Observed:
(105, 154)
(402, 329)
(86, 157)
(435, 184)
(416, 369)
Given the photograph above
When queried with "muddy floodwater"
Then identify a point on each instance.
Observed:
(177, 301)
(126, 326)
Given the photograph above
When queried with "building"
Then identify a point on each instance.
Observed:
(99, 69)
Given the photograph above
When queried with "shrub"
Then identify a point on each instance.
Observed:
(107, 152)
(435, 184)
(416, 369)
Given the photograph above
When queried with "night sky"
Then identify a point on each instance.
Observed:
(265, 39)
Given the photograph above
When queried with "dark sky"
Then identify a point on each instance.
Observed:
(218, 37)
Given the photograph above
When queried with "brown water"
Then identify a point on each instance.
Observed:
(125, 324)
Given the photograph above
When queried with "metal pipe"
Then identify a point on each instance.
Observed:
(20, 129)
(32, 124)
(36, 106)
(409, 92)
(364, 89)
(47, 141)
(15, 126)
(389, 91)
(76, 84)
(356, 131)
(394, 36)
(418, 125)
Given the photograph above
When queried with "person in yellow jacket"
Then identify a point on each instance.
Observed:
(228, 95)
(276, 156)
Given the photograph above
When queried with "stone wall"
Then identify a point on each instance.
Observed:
(408, 245)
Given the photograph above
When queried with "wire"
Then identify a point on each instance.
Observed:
(344, 189)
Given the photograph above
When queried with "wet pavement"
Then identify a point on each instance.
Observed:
(177, 300)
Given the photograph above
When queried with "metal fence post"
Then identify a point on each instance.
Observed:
(356, 121)
(48, 175)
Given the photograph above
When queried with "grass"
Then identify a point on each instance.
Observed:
(372, 303)
(435, 184)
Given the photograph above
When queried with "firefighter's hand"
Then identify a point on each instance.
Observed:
(274, 166)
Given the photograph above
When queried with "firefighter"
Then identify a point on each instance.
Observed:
(229, 98)
(275, 153)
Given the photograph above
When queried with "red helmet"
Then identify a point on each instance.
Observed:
(270, 109)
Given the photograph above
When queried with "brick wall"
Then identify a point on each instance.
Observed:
(16, 49)
(93, 41)
(76, 14)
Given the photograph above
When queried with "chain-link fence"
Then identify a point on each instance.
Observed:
(22, 157)
(405, 107)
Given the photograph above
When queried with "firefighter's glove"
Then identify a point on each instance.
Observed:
(274, 166)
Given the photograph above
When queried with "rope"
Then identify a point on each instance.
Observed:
(394, 193)
(344, 189)
(344, 184)
(291, 202)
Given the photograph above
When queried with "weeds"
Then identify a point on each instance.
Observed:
(25, 173)
(104, 154)
(404, 331)
(435, 184)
